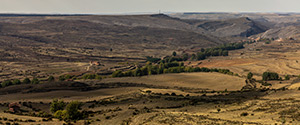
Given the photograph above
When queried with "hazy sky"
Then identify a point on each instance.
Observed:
(135, 6)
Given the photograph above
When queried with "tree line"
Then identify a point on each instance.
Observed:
(203, 53)
(166, 67)
(18, 82)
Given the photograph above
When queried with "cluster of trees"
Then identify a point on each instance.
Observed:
(18, 82)
(217, 51)
(67, 112)
(85, 76)
(270, 76)
(91, 76)
(65, 77)
(203, 54)
(165, 67)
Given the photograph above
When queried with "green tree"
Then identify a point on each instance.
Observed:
(98, 77)
(250, 75)
(16, 82)
(60, 114)
(202, 50)
(57, 105)
(72, 111)
(117, 73)
(51, 79)
(287, 77)
(137, 72)
(26, 81)
(35, 81)
(200, 56)
(185, 57)
(89, 76)
(6, 83)
(68, 76)
(62, 78)
(225, 53)
(270, 76)
(174, 53)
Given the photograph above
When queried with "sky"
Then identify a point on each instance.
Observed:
(145, 6)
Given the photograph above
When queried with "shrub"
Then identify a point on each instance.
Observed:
(62, 78)
(89, 76)
(151, 59)
(57, 105)
(72, 111)
(250, 75)
(287, 77)
(98, 77)
(16, 82)
(26, 81)
(6, 83)
(51, 79)
(270, 76)
(174, 53)
(117, 73)
(35, 81)
(60, 114)
(244, 114)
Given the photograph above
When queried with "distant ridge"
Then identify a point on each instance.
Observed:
(16, 15)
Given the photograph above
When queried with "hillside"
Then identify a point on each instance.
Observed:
(284, 32)
(88, 35)
(240, 27)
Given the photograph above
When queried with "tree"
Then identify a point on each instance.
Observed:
(35, 81)
(287, 77)
(16, 82)
(6, 83)
(225, 53)
(270, 76)
(200, 56)
(57, 105)
(117, 73)
(51, 79)
(137, 72)
(26, 81)
(185, 57)
(98, 77)
(62, 78)
(250, 75)
(68, 76)
(60, 114)
(193, 56)
(72, 111)
(89, 76)
(202, 50)
(174, 53)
